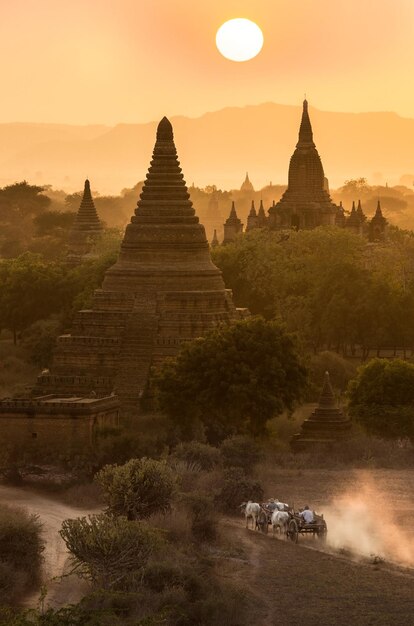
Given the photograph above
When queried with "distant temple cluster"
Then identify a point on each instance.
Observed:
(165, 290)
(306, 203)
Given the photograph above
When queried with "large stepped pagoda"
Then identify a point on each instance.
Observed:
(163, 290)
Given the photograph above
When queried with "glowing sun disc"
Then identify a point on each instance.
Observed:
(239, 39)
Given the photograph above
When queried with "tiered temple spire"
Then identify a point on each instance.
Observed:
(377, 225)
(261, 216)
(232, 226)
(251, 218)
(306, 202)
(86, 227)
(164, 289)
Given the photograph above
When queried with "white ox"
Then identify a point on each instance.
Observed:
(251, 509)
(280, 521)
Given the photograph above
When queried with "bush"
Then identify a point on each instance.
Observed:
(238, 488)
(203, 516)
(381, 398)
(21, 548)
(137, 489)
(241, 451)
(159, 575)
(205, 456)
(109, 551)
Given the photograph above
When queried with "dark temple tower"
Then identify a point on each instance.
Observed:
(306, 202)
(163, 290)
(85, 230)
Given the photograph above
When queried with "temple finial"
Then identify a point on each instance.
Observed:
(165, 130)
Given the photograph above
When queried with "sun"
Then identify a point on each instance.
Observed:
(239, 39)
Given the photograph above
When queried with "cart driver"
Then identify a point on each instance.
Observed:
(307, 515)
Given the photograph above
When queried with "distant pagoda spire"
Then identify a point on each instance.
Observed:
(261, 215)
(232, 226)
(354, 220)
(86, 228)
(305, 130)
(87, 216)
(377, 225)
(360, 212)
(247, 185)
(214, 241)
(252, 219)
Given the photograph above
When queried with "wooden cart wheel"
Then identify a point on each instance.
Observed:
(293, 531)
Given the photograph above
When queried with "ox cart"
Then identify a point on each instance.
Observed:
(297, 526)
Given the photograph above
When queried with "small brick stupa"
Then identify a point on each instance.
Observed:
(326, 424)
(85, 230)
(163, 290)
(306, 203)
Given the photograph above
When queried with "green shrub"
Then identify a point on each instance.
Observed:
(241, 451)
(203, 516)
(137, 489)
(21, 548)
(238, 488)
(109, 551)
(159, 575)
(205, 456)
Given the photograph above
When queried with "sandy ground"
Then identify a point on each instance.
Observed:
(295, 585)
(56, 563)
(369, 514)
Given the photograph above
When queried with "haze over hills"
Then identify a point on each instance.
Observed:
(216, 148)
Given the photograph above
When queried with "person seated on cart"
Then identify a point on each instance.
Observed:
(307, 515)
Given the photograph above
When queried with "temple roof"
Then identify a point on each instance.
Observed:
(252, 210)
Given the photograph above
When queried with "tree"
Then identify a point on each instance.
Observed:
(109, 551)
(381, 398)
(137, 489)
(234, 379)
(26, 199)
(30, 289)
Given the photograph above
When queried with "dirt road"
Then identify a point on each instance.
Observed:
(51, 513)
(295, 585)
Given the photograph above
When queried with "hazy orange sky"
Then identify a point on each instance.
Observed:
(109, 61)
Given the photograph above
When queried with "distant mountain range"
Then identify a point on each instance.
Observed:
(216, 148)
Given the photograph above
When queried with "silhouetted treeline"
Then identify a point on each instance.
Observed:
(331, 286)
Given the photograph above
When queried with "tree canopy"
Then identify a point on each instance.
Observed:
(328, 284)
(234, 379)
(381, 398)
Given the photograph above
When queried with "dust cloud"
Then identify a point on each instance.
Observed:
(365, 521)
